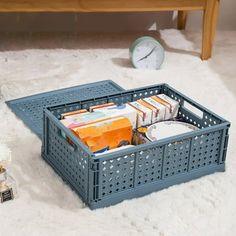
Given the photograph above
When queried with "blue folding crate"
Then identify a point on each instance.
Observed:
(133, 172)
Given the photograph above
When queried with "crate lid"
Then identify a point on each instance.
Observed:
(30, 109)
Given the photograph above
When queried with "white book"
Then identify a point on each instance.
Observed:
(144, 114)
(159, 115)
(123, 110)
(171, 105)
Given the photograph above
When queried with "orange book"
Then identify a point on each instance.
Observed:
(105, 135)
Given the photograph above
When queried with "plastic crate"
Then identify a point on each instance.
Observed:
(133, 172)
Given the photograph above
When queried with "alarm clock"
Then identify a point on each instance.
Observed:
(146, 53)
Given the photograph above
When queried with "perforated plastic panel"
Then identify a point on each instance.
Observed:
(30, 109)
(176, 158)
(149, 165)
(117, 174)
(206, 150)
(110, 178)
(74, 162)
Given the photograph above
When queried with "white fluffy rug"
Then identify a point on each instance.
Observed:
(45, 205)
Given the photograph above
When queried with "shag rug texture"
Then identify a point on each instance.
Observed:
(45, 205)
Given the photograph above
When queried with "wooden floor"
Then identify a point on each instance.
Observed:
(209, 7)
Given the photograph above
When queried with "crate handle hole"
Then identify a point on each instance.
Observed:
(193, 109)
(70, 143)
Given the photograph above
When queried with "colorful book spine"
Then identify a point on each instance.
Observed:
(94, 108)
(68, 114)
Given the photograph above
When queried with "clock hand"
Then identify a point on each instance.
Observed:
(151, 51)
(147, 54)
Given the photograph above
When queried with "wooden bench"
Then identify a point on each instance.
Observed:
(209, 8)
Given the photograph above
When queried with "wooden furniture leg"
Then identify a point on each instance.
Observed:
(209, 27)
(182, 18)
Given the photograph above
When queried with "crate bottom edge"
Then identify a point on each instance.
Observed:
(153, 187)
(142, 190)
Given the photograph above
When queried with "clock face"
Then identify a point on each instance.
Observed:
(146, 53)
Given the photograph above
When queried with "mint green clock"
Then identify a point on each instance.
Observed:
(146, 53)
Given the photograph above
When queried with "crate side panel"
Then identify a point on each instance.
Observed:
(176, 158)
(117, 174)
(73, 163)
(205, 150)
(65, 108)
(207, 119)
(147, 92)
(93, 102)
(149, 165)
